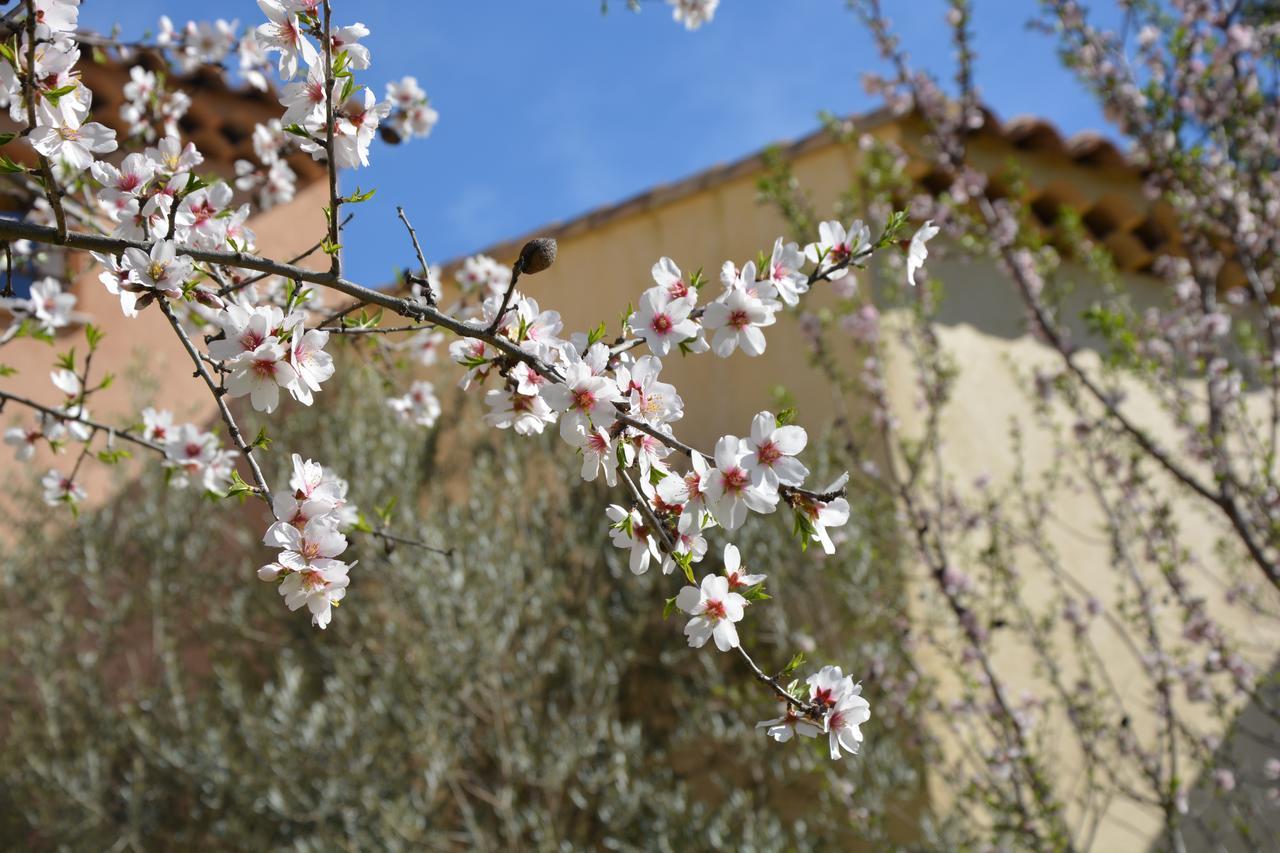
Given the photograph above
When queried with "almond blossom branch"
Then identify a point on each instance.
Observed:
(219, 396)
(95, 426)
(422, 261)
(52, 191)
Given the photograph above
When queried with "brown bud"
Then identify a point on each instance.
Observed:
(208, 298)
(389, 134)
(538, 254)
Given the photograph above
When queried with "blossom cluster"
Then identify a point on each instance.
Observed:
(606, 397)
(312, 515)
(847, 710)
(614, 409)
(58, 108)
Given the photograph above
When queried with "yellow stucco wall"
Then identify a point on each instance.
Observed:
(603, 267)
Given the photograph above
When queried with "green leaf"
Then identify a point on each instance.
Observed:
(55, 95)
(239, 488)
(263, 440)
(111, 457)
(357, 196)
(384, 512)
(597, 334)
(757, 593)
(667, 608)
(787, 416)
(797, 661)
(10, 167)
(6, 138)
(94, 335)
(6, 370)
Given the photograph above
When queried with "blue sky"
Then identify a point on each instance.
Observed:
(549, 108)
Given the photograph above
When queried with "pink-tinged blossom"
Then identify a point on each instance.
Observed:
(737, 318)
(261, 374)
(693, 13)
(734, 572)
(419, 406)
(784, 272)
(527, 414)
(47, 305)
(662, 321)
(821, 515)
(163, 270)
(157, 425)
(630, 533)
(689, 490)
(788, 725)
(918, 250)
(118, 279)
(244, 329)
(129, 180)
(729, 490)
(714, 610)
(283, 33)
(23, 440)
(66, 381)
(584, 399)
(73, 145)
(348, 39)
(828, 686)
(651, 401)
(642, 449)
(304, 100)
(171, 157)
(476, 356)
(836, 245)
(198, 219)
(771, 450)
(59, 488)
(668, 277)
(312, 364)
(598, 455)
(844, 722)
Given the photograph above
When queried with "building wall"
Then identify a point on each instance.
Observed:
(603, 265)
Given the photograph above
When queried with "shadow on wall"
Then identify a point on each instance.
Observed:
(1253, 740)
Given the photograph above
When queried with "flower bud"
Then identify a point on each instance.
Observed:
(538, 254)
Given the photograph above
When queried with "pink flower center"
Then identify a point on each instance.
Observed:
(313, 580)
(739, 319)
(521, 403)
(735, 580)
(661, 324)
(736, 480)
(714, 609)
(583, 400)
(192, 450)
(824, 696)
(250, 340)
(768, 453)
(678, 289)
(265, 368)
(838, 253)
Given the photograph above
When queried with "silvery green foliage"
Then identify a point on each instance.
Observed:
(524, 693)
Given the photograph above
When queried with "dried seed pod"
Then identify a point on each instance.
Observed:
(538, 254)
